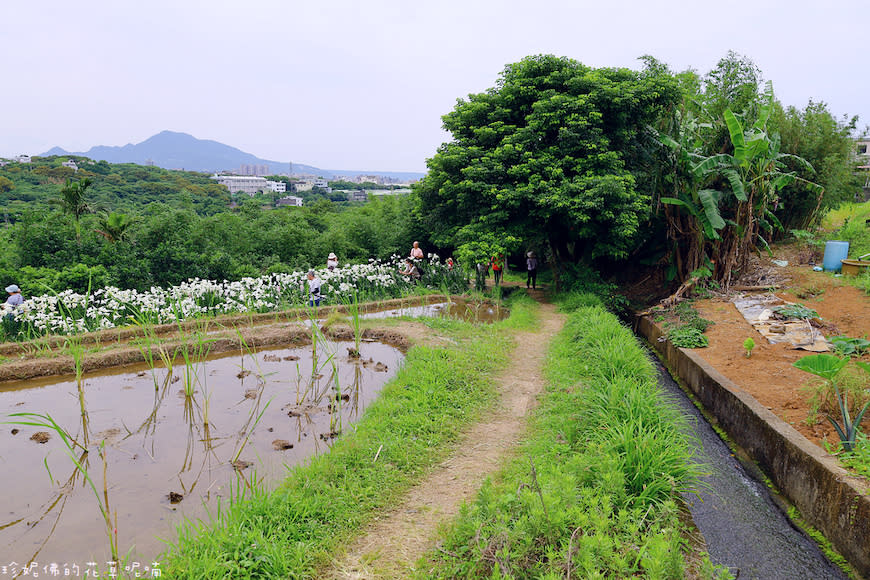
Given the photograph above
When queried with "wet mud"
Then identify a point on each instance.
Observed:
(176, 443)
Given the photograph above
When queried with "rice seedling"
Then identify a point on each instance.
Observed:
(249, 427)
(406, 431)
(110, 519)
(355, 322)
(193, 349)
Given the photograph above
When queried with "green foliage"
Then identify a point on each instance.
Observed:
(688, 337)
(808, 238)
(288, 533)
(733, 170)
(545, 152)
(827, 144)
(6, 184)
(826, 366)
(579, 279)
(748, 345)
(859, 458)
(182, 229)
(844, 345)
(688, 316)
(798, 311)
(855, 230)
(477, 248)
(829, 367)
(571, 301)
(591, 496)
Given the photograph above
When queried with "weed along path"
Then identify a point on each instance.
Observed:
(392, 545)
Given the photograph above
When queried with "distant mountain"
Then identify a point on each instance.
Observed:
(172, 150)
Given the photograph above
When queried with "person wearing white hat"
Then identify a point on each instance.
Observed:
(331, 261)
(15, 299)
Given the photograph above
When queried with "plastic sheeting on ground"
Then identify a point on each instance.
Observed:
(757, 309)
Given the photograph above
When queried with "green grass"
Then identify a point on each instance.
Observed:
(594, 487)
(291, 532)
(850, 224)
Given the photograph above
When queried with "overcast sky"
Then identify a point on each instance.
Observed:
(362, 85)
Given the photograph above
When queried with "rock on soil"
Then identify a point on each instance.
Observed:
(40, 437)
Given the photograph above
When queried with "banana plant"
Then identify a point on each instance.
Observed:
(828, 367)
(695, 219)
(748, 179)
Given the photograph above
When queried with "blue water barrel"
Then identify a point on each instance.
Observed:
(835, 251)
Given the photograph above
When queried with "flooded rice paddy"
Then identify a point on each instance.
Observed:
(176, 444)
(467, 310)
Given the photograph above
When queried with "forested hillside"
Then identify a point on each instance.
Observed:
(136, 226)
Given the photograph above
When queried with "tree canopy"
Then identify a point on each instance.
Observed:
(548, 152)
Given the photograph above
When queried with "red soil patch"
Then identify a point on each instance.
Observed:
(768, 375)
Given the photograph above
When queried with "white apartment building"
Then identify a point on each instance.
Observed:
(277, 186)
(23, 159)
(71, 164)
(242, 183)
(290, 200)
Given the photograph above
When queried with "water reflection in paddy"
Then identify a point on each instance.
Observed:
(270, 409)
(467, 310)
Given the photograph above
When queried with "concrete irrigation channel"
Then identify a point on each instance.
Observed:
(743, 526)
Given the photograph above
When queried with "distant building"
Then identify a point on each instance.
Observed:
(394, 191)
(242, 183)
(302, 186)
(260, 170)
(369, 179)
(3, 163)
(277, 186)
(862, 149)
(23, 159)
(71, 164)
(357, 195)
(289, 200)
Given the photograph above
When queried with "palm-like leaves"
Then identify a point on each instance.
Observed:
(72, 197)
(114, 226)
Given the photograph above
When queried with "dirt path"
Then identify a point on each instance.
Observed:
(391, 546)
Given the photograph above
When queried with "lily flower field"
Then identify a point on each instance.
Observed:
(69, 312)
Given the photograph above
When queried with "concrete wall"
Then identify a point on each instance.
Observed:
(828, 497)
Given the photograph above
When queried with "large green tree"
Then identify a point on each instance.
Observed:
(828, 144)
(549, 151)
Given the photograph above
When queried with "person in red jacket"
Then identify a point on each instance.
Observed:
(497, 263)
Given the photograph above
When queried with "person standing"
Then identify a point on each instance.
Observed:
(416, 252)
(313, 289)
(14, 301)
(497, 263)
(331, 261)
(532, 269)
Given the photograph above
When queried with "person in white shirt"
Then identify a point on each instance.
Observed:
(313, 289)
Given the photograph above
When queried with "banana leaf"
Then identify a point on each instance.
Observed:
(735, 130)
(736, 183)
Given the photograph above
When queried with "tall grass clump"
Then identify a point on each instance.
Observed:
(593, 493)
(523, 309)
(293, 530)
